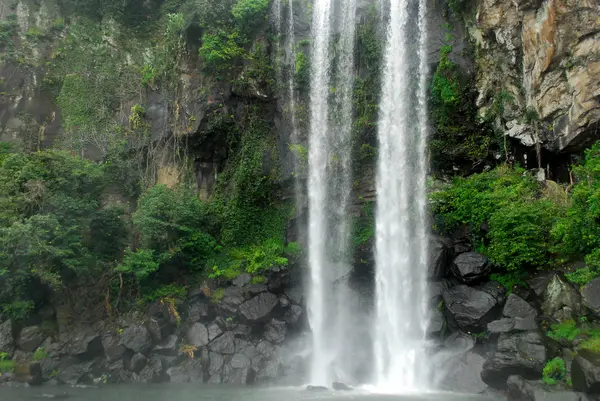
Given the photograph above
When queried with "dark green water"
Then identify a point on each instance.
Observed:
(172, 392)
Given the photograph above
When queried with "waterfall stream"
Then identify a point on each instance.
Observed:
(329, 187)
(401, 235)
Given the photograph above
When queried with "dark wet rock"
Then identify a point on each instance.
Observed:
(167, 347)
(7, 343)
(519, 389)
(522, 354)
(463, 373)
(471, 267)
(459, 341)
(199, 311)
(539, 283)
(214, 331)
(292, 315)
(136, 338)
(278, 279)
(113, 350)
(239, 361)
(31, 338)
(231, 301)
(295, 294)
(189, 371)
(469, 309)
(116, 373)
(585, 373)
(258, 308)
(284, 302)
(440, 253)
(155, 330)
(85, 341)
(591, 296)
(436, 289)
(242, 331)
(30, 373)
(340, 386)
(223, 344)
(197, 335)
(215, 364)
(316, 388)
(137, 363)
(256, 288)
(275, 331)
(436, 322)
(495, 289)
(561, 300)
(71, 372)
(242, 279)
(517, 307)
(154, 372)
(506, 325)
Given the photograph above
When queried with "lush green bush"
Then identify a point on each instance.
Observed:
(518, 216)
(51, 207)
(250, 13)
(221, 48)
(554, 371)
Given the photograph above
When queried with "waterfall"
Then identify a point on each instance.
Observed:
(329, 186)
(401, 223)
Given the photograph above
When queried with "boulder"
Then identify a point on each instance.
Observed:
(316, 388)
(199, 311)
(585, 373)
(517, 307)
(197, 335)
(519, 389)
(436, 323)
(275, 331)
(259, 308)
(167, 347)
(7, 342)
(136, 338)
(154, 372)
(462, 373)
(242, 280)
(522, 354)
(214, 331)
(189, 371)
(84, 341)
(113, 350)
(137, 363)
(284, 302)
(440, 252)
(469, 309)
(337, 386)
(436, 289)
(215, 364)
(239, 361)
(292, 315)
(73, 372)
(31, 338)
(256, 288)
(471, 267)
(495, 289)
(223, 344)
(561, 300)
(231, 301)
(591, 296)
(154, 327)
(513, 324)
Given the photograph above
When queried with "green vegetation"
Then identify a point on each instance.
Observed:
(555, 371)
(460, 137)
(566, 330)
(521, 224)
(39, 355)
(510, 280)
(302, 70)
(364, 226)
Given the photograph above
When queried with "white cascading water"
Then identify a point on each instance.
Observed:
(401, 316)
(329, 186)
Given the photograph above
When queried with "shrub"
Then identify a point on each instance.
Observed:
(250, 13)
(566, 330)
(510, 280)
(554, 371)
(519, 234)
(220, 49)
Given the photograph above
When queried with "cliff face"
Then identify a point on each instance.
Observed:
(542, 59)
